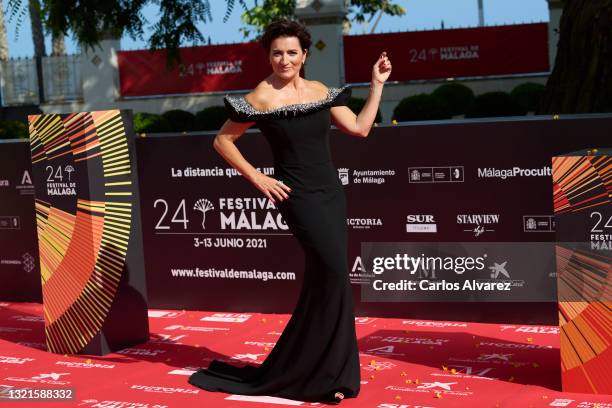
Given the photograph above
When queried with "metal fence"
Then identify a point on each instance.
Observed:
(19, 82)
(61, 80)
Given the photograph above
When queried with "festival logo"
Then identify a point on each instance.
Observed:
(203, 205)
(531, 329)
(59, 181)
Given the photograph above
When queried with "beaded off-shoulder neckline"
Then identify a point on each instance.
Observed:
(240, 104)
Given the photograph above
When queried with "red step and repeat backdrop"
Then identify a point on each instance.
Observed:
(213, 242)
(19, 266)
(468, 52)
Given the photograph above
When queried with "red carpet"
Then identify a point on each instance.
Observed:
(405, 363)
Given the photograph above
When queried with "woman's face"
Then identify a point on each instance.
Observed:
(286, 56)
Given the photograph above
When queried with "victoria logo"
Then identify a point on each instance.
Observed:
(421, 223)
(203, 205)
(364, 223)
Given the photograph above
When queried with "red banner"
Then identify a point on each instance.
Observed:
(205, 69)
(503, 50)
(466, 52)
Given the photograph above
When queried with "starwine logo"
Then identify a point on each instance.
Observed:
(491, 172)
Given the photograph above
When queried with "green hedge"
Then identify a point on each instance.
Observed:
(455, 96)
(494, 104)
(211, 118)
(528, 95)
(151, 123)
(420, 107)
(13, 129)
(356, 104)
(180, 120)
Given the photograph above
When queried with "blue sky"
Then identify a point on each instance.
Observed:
(420, 15)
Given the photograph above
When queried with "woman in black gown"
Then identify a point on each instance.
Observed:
(316, 358)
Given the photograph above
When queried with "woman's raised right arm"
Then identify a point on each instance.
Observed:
(225, 146)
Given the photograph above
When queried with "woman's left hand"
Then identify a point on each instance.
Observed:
(381, 69)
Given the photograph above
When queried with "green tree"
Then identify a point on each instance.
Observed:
(259, 16)
(90, 21)
(4, 53)
(581, 80)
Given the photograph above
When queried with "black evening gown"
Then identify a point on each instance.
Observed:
(316, 355)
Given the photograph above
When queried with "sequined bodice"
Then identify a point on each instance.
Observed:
(241, 106)
(298, 135)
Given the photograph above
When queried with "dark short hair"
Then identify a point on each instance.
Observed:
(286, 28)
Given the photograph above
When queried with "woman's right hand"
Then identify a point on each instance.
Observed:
(270, 187)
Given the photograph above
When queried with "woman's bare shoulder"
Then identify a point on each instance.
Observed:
(318, 86)
(260, 95)
(264, 92)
